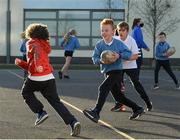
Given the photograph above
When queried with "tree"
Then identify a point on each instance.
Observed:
(109, 4)
(129, 6)
(158, 15)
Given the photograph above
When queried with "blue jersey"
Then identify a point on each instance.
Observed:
(23, 49)
(116, 46)
(138, 36)
(71, 45)
(160, 51)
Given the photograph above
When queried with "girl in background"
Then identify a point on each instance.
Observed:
(70, 42)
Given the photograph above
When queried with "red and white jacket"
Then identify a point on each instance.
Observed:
(37, 55)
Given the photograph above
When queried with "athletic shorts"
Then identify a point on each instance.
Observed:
(68, 53)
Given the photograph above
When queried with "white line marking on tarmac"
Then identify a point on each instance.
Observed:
(102, 122)
(15, 74)
(76, 108)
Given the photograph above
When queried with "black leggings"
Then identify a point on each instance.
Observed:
(112, 83)
(133, 75)
(166, 65)
(48, 90)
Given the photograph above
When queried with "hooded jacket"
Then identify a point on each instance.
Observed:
(37, 55)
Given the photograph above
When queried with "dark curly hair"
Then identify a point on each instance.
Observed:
(37, 30)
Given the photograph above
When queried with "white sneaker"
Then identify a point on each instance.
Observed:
(156, 86)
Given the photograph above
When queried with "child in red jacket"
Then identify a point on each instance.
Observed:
(41, 78)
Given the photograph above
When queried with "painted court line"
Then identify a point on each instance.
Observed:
(76, 108)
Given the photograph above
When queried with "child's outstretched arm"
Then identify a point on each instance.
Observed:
(21, 63)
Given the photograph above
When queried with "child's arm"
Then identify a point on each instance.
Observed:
(167, 54)
(141, 40)
(135, 51)
(125, 53)
(21, 63)
(96, 56)
(77, 44)
(159, 53)
(39, 68)
(134, 57)
(23, 47)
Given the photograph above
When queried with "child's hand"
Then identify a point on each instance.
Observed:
(116, 56)
(147, 49)
(166, 54)
(17, 61)
(39, 69)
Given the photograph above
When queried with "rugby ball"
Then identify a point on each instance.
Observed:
(171, 51)
(108, 57)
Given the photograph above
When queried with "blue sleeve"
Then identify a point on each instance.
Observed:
(139, 38)
(77, 44)
(96, 56)
(168, 46)
(125, 52)
(158, 52)
(23, 47)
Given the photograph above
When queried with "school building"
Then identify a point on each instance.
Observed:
(60, 16)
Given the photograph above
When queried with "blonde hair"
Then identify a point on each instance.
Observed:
(107, 21)
(67, 36)
(72, 32)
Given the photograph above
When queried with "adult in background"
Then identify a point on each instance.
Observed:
(138, 36)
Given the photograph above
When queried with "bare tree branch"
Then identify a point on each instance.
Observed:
(158, 15)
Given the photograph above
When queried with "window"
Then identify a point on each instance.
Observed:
(52, 41)
(42, 15)
(114, 15)
(51, 25)
(94, 41)
(82, 27)
(74, 14)
(86, 22)
(96, 28)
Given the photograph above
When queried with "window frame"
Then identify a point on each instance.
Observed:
(57, 19)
